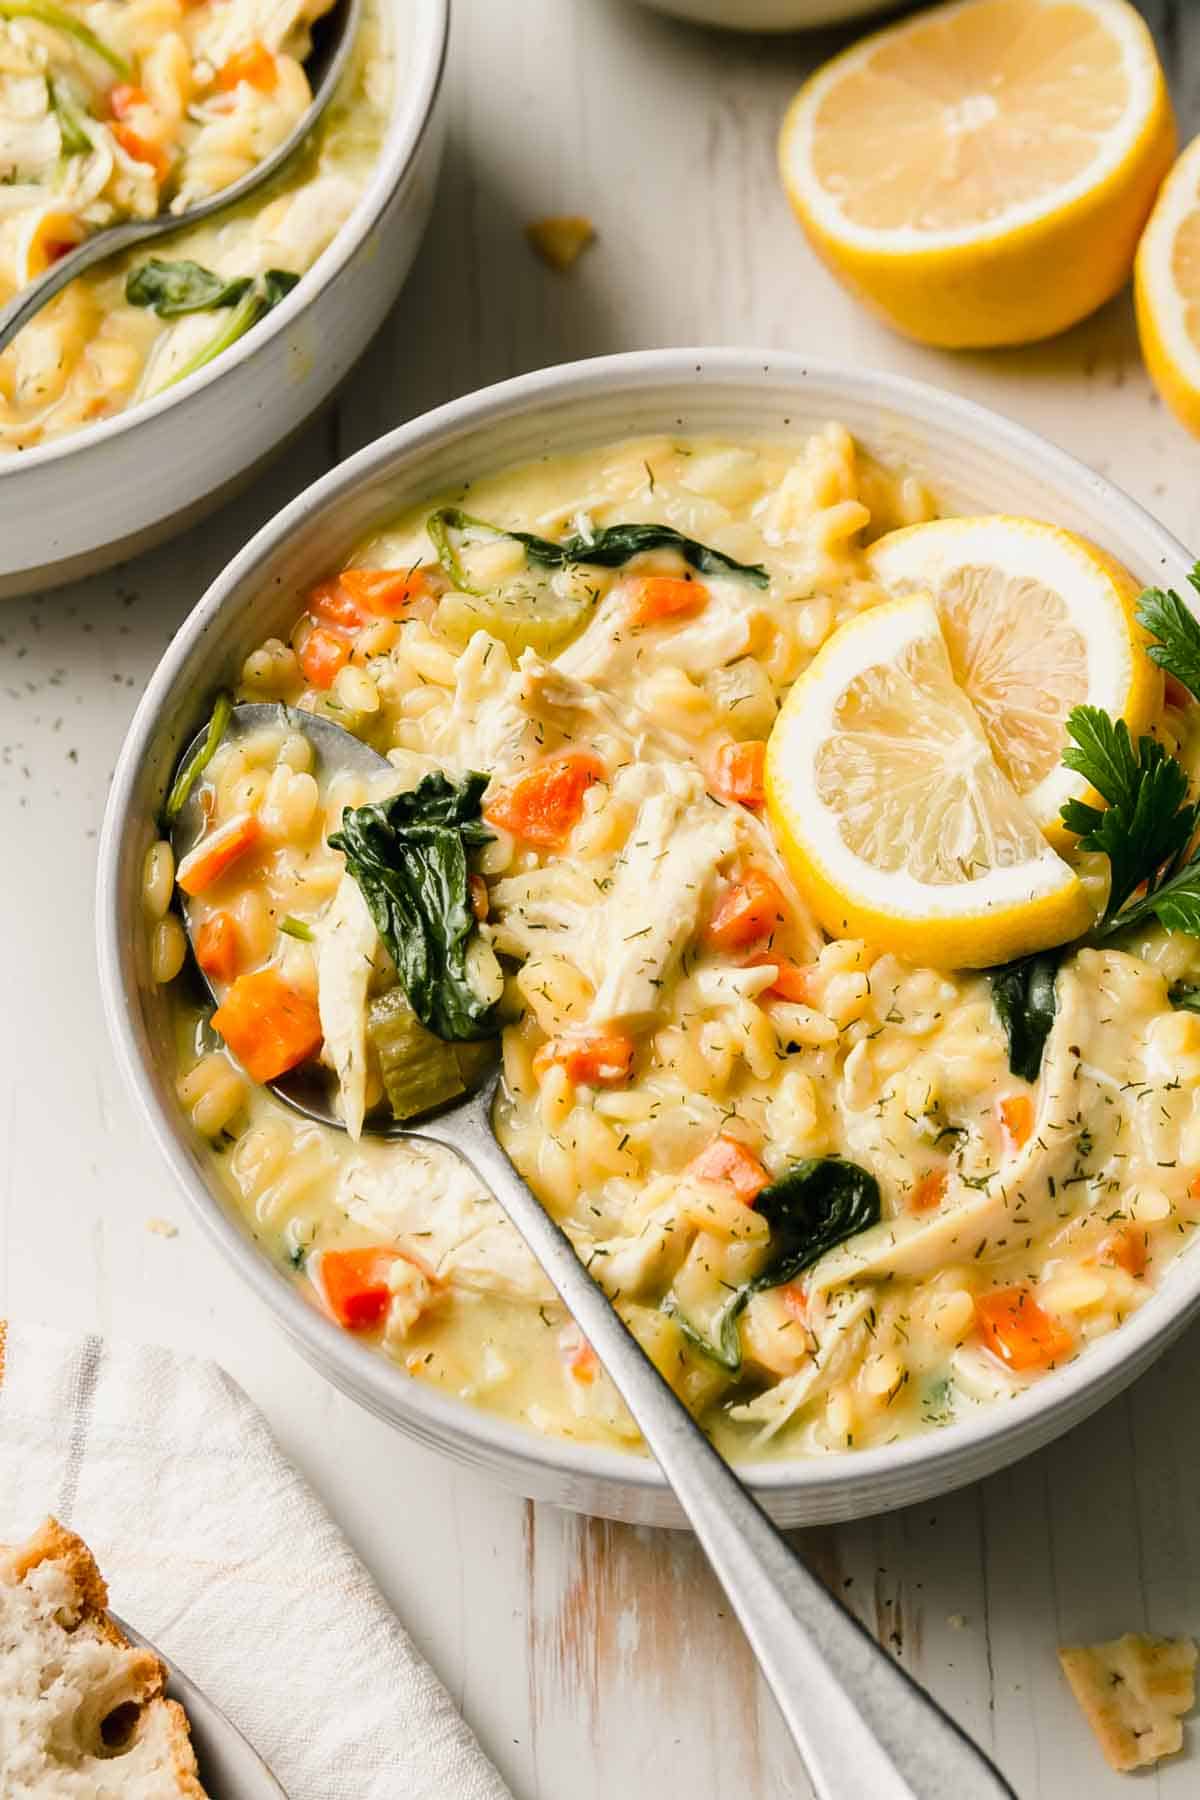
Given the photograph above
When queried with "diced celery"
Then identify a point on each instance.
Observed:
(526, 616)
(419, 1070)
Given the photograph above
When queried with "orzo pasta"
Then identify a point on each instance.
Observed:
(802, 1165)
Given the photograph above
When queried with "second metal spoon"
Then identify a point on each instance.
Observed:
(864, 1729)
(325, 66)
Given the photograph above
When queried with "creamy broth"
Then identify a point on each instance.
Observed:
(205, 90)
(677, 1030)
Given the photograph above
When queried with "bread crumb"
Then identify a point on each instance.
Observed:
(1134, 1692)
(561, 239)
(162, 1228)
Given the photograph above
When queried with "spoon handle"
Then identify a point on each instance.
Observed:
(865, 1731)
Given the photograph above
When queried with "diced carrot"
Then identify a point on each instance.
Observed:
(268, 1025)
(927, 1192)
(214, 853)
(124, 97)
(793, 981)
(253, 64)
(795, 1301)
(738, 773)
(583, 1363)
(323, 653)
(141, 150)
(1016, 1115)
(1124, 1248)
(330, 603)
(544, 806)
(604, 1059)
(217, 946)
(727, 1159)
(1017, 1330)
(656, 597)
(750, 908)
(53, 248)
(477, 891)
(387, 592)
(356, 1287)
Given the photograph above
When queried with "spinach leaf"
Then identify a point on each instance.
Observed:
(607, 548)
(1184, 996)
(44, 12)
(175, 288)
(409, 857)
(190, 771)
(1023, 993)
(817, 1205)
(257, 299)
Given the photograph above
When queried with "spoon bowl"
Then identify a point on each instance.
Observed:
(335, 752)
(333, 40)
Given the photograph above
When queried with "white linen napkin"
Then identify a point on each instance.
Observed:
(214, 1548)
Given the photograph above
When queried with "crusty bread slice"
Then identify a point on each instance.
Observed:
(83, 1715)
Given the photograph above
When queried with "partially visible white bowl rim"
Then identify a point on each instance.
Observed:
(365, 1372)
(409, 118)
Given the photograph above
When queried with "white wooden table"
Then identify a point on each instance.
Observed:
(593, 1660)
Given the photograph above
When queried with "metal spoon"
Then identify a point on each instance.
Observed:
(864, 1729)
(334, 36)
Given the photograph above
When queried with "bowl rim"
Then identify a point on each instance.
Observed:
(1056, 1400)
(410, 117)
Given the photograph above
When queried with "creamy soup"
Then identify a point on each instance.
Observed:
(123, 109)
(803, 1167)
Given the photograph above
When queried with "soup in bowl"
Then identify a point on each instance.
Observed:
(871, 1194)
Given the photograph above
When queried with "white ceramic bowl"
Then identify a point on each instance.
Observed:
(768, 15)
(975, 460)
(87, 500)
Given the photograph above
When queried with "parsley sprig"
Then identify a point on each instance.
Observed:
(1147, 830)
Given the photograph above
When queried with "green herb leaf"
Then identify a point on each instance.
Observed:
(72, 128)
(814, 1207)
(817, 1205)
(409, 857)
(608, 548)
(1023, 993)
(190, 771)
(1169, 619)
(1148, 823)
(45, 13)
(174, 288)
(1184, 996)
(296, 928)
(264, 293)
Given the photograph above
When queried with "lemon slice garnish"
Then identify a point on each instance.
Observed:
(1036, 621)
(892, 812)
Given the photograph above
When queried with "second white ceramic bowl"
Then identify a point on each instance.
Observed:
(975, 460)
(82, 502)
(767, 15)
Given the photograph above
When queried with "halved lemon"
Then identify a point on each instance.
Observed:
(1167, 290)
(892, 812)
(979, 174)
(1036, 620)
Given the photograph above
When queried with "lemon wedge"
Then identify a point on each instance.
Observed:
(1036, 620)
(979, 174)
(892, 812)
(1167, 290)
